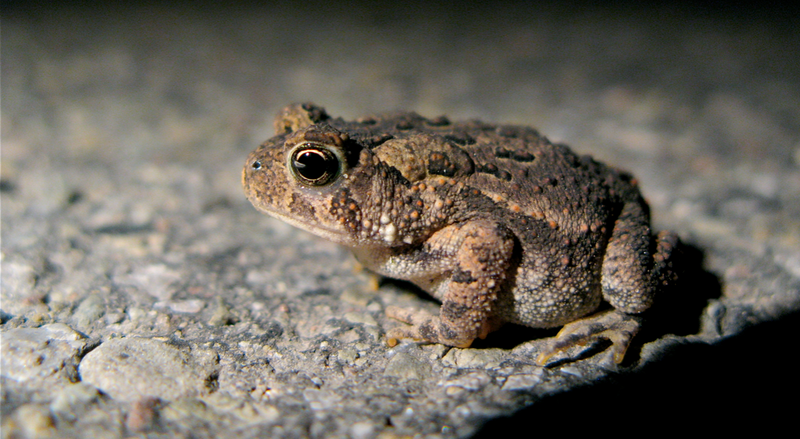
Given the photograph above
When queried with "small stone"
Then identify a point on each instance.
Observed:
(90, 311)
(19, 280)
(190, 306)
(360, 318)
(405, 366)
(222, 314)
(473, 358)
(362, 430)
(522, 381)
(73, 399)
(470, 381)
(48, 353)
(133, 368)
(347, 355)
(143, 415)
(184, 408)
(29, 421)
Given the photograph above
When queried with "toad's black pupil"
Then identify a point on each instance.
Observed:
(314, 165)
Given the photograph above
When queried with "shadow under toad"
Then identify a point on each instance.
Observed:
(747, 378)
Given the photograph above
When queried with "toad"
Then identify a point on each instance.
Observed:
(495, 221)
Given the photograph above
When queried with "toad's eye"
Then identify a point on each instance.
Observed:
(314, 165)
(256, 165)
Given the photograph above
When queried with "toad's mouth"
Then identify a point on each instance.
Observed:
(314, 226)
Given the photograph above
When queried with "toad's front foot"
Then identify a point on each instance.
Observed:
(615, 326)
(424, 327)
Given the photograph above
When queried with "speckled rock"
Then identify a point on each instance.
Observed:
(406, 366)
(473, 358)
(133, 368)
(72, 401)
(48, 355)
(29, 421)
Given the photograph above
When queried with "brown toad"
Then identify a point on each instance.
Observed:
(494, 221)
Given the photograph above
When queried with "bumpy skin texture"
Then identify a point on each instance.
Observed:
(494, 221)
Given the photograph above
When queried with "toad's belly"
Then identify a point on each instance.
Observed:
(546, 303)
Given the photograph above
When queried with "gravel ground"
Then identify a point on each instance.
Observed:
(142, 296)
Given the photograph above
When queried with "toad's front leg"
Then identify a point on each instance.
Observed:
(481, 253)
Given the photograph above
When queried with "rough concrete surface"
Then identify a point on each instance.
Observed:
(142, 296)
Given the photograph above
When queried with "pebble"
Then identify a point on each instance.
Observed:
(134, 368)
(405, 367)
(48, 354)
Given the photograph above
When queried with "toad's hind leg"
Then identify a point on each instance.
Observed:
(612, 325)
(633, 266)
(632, 269)
(481, 253)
